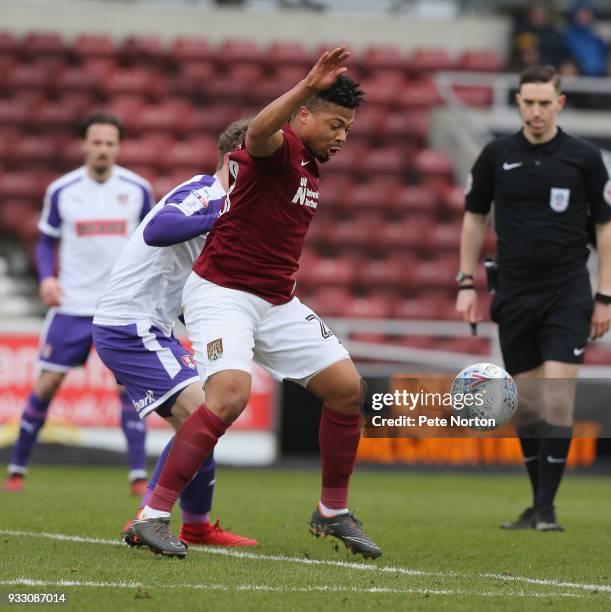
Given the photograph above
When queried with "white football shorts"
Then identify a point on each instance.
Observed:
(229, 328)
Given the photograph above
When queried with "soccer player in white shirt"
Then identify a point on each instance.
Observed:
(90, 212)
(134, 321)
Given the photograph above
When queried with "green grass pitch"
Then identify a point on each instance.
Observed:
(443, 549)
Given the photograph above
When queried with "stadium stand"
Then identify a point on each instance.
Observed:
(385, 195)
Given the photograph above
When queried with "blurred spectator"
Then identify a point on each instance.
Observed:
(583, 43)
(536, 38)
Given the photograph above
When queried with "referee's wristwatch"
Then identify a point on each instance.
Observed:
(461, 276)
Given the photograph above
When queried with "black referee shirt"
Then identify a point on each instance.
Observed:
(543, 195)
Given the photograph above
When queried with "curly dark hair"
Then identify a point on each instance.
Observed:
(344, 92)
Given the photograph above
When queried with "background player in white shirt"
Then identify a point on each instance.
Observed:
(91, 213)
(134, 319)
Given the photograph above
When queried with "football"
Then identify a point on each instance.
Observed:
(484, 397)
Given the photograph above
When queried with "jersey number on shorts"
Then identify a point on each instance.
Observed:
(233, 170)
(324, 330)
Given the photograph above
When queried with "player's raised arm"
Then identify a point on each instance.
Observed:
(264, 136)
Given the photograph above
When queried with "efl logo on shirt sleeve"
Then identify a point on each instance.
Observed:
(193, 203)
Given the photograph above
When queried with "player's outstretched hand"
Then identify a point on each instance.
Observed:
(51, 291)
(328, 67)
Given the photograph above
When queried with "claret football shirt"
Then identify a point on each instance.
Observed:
(256, 243)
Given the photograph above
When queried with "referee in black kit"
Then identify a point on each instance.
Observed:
(546, 187)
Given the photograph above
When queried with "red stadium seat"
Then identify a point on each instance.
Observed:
(347, 161)
(71, 154)
(164, 184)
(371, 197)
(432, 163)
(382, 57)
(100, 67)
(14, 113)
(240, 51)
(405, 125)
(131, 81)
(404, 235)
(234, 84)
(28, 227)
(275, 84)
(413, 199)
(334, 272)
(44, 45)
(13, 214)
(77, 79)
(372, 307)
(193, 77)
(24, 185)
(30, 77)
(138, 153)
(9, 45)
(214, 119)
(285, 53)
(446, 236)
(453, 199)
(88, 46)
(36, 151)
(335, 192)
(480, 60)
(435, 274)
(167, 117)
(419, 308)
(353, 233)
(420, 94)
(386, 161)
(142, 49)
(367, 123)
(59, 117)
(195, 156)
(127, 109)
(425, 60)
(191, 49)
(381, 273)
(328, 301)
(381, 89)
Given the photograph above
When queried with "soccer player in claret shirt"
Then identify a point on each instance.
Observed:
(90, 212)
(239, 303)
(134, 321)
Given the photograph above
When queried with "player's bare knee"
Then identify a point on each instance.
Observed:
(229, 403)
(349, 398)
(47, 384)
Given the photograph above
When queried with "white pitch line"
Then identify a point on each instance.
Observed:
(275, 589)
(327, 562)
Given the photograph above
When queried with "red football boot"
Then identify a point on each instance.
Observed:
(13, 483)
(212, 535)
(138, 487)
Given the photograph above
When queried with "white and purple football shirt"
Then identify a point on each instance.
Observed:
(146, 282)
(92, 221)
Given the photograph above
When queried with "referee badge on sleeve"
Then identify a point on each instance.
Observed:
(559, 199)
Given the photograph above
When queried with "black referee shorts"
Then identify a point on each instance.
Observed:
(552, 325)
